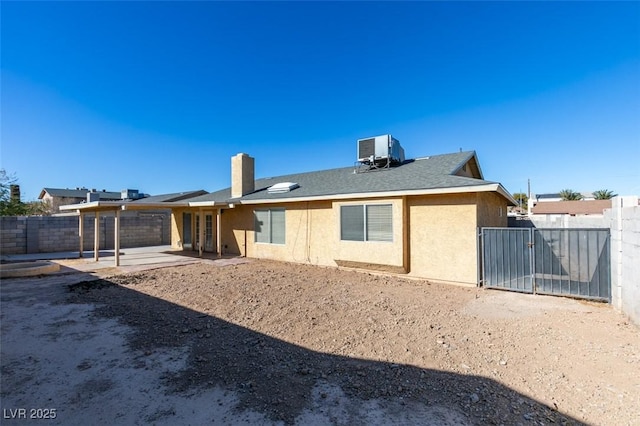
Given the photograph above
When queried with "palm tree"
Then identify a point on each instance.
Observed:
(521, 198)
(570, 195)
(603, 194)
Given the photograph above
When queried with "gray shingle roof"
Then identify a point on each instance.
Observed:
(168, 198)
(424, 173)
(81, 193)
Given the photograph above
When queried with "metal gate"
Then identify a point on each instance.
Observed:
(567, 262)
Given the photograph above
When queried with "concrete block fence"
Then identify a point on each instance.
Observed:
(43, 234)
(623, 220)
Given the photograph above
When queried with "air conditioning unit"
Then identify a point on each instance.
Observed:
(380, 150)
(129, 194)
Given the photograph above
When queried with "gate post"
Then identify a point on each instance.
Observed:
(532, 259)
(480, 255)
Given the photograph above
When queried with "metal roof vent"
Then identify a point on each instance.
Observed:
(282, 187)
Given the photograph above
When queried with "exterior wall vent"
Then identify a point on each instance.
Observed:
(282, 187)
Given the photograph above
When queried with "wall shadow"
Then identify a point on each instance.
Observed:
(278, 379)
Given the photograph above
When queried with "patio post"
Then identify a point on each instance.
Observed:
(200, 232)
(218, 228)
(96, 236)
(81, 232)
(116, 237)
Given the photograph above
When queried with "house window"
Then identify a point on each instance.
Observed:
(368, 222)
(269, 226)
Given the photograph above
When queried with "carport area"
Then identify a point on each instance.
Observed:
(115, 208)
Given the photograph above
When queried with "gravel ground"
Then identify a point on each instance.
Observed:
(264, 342)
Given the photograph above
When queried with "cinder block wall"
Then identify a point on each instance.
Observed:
(13, 234)
(559, 221)
(42, 234)
(624, 218)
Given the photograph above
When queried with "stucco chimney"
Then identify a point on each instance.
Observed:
(242, 175)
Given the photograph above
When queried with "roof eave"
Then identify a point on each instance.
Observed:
(502, 191)
(157, 205)
(94, 205)
(489, 187)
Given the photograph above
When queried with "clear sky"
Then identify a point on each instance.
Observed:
(158, 96)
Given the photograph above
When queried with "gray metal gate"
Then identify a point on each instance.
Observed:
(568, 262)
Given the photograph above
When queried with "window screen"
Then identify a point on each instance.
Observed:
(270, 226)
(277, 226)
(262, 228)
(352, 223)
(366, 222)
(379, 223)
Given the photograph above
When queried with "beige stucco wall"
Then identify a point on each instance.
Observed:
(376, 252)
(434, 235)
(308, 238)
(312, 235)
(492, 210)
(176, 228)
(442, 231)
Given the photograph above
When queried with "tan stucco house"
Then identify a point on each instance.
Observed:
(418, 218)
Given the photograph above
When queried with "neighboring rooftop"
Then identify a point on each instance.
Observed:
(170, 198)
(579, 207)
(78, 193)
(557, 197)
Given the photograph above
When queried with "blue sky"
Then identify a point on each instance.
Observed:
(159, 96)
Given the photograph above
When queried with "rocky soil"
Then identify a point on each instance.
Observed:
(301, 344)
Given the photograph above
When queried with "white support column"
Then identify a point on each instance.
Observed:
(200, 232)
(218, 232)
(96, 236)
(81, 232)
(116, 237)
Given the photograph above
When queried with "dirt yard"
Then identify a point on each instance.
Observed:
(259, 342)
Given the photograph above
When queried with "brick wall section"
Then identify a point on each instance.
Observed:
(43, 234)
(13, 234)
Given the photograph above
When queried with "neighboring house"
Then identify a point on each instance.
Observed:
(56, 197)
(535, 199)
(572, 208)
(419, 217)
(586, 196)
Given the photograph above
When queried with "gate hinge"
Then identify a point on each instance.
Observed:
(530, 245)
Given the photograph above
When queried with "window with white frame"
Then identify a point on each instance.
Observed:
(366, 222)
(269, 226)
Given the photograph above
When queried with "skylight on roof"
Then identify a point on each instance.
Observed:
(282, 187)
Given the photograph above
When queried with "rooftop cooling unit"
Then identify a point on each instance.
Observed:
(130, 194)
(380, 151)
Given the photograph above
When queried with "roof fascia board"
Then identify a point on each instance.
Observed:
(151, 206)
(478, 166)
(502, 191)
(454, 190)
(92, 205)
